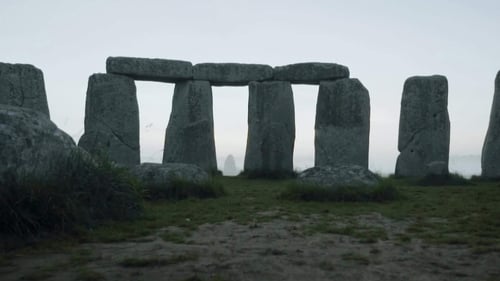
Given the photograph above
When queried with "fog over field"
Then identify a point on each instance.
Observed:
(382, 43)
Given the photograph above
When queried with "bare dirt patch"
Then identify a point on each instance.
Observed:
(367, 247)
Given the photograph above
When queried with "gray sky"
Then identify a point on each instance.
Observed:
(382, 43)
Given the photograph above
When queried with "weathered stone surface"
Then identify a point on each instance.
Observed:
(230, 166)
(338, 176)
(342, 129)
(153, 174)
(232, 74)
(490, 158)
(271, 128)
(30, 144)
(437, 168)
(112, 119)
(424, 126)
(189, 136)
(310, 72)
(22, 85)
(160, 70)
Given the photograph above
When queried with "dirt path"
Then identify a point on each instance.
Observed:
(275, 250)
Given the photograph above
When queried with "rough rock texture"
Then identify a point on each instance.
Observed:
(190, 133)
(310, 72)
(112, 119)
(424, 126)
(232, 74)
(22, 85)
(161, 70)
(154, 174)
(30, 144)
(338, 176)
(490, 158)
(271, 128)
(230, 166)
(342, 129)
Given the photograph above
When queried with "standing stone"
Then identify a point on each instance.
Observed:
(271, 128)
(424, 127)
(22, 85)
(112, 119)
(189, 137)
(490, 158)
(230, 166)
(342, 129)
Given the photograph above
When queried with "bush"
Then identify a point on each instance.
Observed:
(180, 189)
(440, 180)
(82, 193)
(384, 191)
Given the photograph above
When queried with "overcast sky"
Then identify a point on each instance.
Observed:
(382, 43)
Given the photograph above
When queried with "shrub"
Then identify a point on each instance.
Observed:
(384, 191)
(180, 189)
(82, 192)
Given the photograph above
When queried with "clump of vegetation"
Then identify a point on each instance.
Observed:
(82, 192)
(175, 237)
(440, 180)
(265, 174)
(484, 179)
(180, 189)
(384, 191)
(356, 257)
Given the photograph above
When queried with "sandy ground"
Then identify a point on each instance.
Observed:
(275, 250)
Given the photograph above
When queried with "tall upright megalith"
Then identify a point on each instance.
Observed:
(490, 157)
(424, 127)
(342, 129)
(271, 128)
(189, 137)
(22, 85)
(112, 119)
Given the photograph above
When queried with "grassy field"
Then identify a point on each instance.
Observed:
(459, 215)
(438, 214)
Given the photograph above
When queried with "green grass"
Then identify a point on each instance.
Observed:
(80, 193)
(180, 189)
(81, 257)
(442, 180)
(469, 212)
(385, 191)
(356, 257)
(175, 237)
(85, 274)
(41, 273)
(442, 214)
(271, 175)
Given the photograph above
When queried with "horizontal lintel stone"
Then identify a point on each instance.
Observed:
(310, 72)
(232, 74)
(160, 70)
